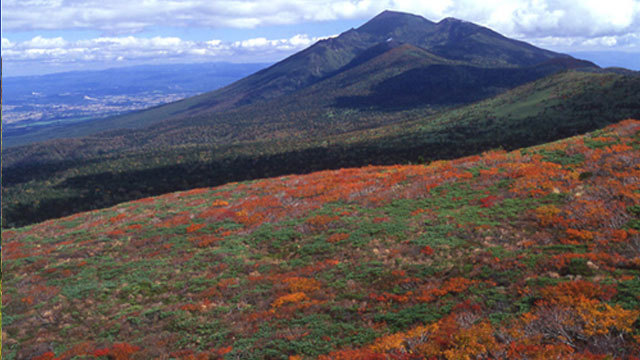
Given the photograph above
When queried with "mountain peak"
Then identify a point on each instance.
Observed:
(393, 14)
(450, 20)
(388, 22)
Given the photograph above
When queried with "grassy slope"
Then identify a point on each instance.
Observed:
(528, 254)
(562, 105)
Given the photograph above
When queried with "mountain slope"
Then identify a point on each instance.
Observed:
(48, 180)
(397, 81)
(454, 40)
(521, 255)
(328, 56)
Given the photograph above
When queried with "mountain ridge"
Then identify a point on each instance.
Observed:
(452, 39)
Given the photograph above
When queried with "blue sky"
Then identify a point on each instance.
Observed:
(43, 36)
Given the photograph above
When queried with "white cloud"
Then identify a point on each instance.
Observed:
(628, 42)
(44, 43)
(7, 44)
(562, 25)
(157, 48)
(521, 18)
(609, 23)
(590, 17)
(594, 17)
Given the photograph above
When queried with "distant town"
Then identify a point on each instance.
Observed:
(28, 113)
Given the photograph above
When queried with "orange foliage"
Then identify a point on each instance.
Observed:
(600, 318)
(453, 285)
(389, 297)
(579, 235)
(601, 258)
(302, 284)
(225, 283)
(547, 214)
(566, 292)
(321, 221)
(443, 339)
(568, 318)
(195, 192)
(179, 219)
(189, 307)
(351, 354)
(334, 238)
(117, 218)
(289, 298)
(526, 349)
(134, 227)
(205, 240)
(490, 172)
(49, 355)
(219, 203)
(195, 227)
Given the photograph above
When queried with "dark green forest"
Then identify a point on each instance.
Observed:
(67, 177)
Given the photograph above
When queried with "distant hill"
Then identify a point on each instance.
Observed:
(616, 59)
(530, 254)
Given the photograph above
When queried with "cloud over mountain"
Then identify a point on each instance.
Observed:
(532, 18)
(125, 30)
(131, 48)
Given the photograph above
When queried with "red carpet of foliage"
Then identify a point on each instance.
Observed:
(532, 254)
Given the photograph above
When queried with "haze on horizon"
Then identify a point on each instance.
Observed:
(47, 36)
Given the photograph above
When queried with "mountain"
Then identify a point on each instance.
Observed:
(454, 41)
(450, 38)
(529, 254)
(390, 91)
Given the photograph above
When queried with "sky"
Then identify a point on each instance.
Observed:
(45, 36)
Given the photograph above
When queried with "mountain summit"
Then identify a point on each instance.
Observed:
(456, 39)
(393, 23)
(451, 39)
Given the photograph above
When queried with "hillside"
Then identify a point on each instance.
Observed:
(480, 55)
(60, 178)
(530, 254)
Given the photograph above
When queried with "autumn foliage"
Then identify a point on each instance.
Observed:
(530, 254)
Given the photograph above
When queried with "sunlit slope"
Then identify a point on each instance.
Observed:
(531, 254)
